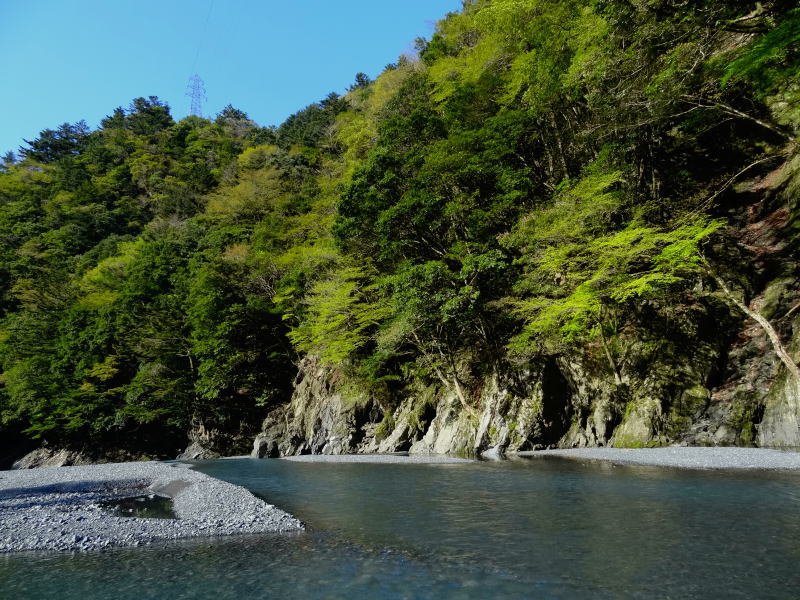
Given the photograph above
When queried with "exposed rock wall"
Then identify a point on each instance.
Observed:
(554, 404)
(780, 425)
(213, 442)
(51, 457)
(539, 406)
(777, 232)
(318, 420)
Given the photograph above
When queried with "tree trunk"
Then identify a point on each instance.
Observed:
(610, 357)
(455, 385)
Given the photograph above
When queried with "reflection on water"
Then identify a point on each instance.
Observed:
(149, 506)
(536, 527)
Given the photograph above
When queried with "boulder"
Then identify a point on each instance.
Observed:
(51, 457)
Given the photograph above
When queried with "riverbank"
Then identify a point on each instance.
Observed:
(684, 457)
(60, 508)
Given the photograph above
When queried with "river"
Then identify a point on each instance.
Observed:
(549, 528)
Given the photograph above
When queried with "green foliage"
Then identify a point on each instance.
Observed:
(52, 145)
(342, 311)
(310, 126)
(577, 260)
(771, 58)
(542, 173)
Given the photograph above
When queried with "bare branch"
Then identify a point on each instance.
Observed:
(774, 338)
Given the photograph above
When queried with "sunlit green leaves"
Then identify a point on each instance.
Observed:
(577, 258)
(343, 311)
(769, 57)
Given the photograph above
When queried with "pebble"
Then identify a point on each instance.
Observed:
(58, 508)
(688, 457)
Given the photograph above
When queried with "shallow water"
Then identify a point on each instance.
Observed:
(149, 506)
(553, 528)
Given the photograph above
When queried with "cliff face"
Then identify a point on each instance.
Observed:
(213, 442)
(552, 404)
(528, 407)
(708, 376)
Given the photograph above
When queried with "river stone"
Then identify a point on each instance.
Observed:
(50, 457)
(196, 451)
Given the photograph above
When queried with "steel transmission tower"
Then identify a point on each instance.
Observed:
(197, 92)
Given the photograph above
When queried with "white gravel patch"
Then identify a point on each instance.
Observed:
(58, 508)
(419, 459)
(685, 457)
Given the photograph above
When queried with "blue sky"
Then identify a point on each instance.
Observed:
(67, 60)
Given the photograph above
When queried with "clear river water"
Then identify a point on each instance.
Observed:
(527, 528)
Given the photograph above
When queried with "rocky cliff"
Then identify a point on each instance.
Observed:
(708, 375)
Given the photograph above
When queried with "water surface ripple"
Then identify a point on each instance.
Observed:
(551, 528)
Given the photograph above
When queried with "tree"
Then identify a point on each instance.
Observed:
(56, 144)
(362, 81)
(9, 159)
(580, 269)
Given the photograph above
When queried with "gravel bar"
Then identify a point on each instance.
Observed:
(418, 459)
(58, 508)
(685, 457)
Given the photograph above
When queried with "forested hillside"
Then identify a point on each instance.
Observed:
(580, 200)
